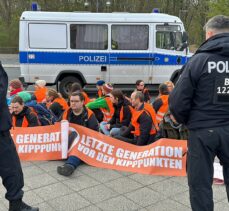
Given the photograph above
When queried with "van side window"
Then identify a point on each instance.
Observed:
(89, 36)
(168, 37)
(47, 35)
(129, 37)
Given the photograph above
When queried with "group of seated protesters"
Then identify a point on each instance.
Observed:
(133, 120)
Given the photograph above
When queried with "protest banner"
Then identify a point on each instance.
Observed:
(163, 157)
(38, 143)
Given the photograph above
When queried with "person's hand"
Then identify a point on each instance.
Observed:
(108, 126)
(173, 118)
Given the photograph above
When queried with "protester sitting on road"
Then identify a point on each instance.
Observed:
(99, 85)
(170, 85)
(40, 91)
(22, 115)
(77, 87)
(56, 103)
(104, 103)
(15, 86)
(160, 104)
(140, 86)
(122, 114)
(143, 122)
(25, 96)
(77, 114)
(169, 128)
(45, 116)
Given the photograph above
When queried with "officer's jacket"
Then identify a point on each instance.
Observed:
(200, 98)
(5, 117)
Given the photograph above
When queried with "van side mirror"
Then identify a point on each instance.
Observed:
(184, 42)
(182, 47)
(184, 37)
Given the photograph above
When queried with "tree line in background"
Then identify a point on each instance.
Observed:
(194, 13)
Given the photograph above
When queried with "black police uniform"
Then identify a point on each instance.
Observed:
(200, 100)
(10, 167)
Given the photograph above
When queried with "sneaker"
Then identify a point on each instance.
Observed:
(65, 170)
(19, 205)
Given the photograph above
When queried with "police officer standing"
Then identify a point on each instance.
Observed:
(10, 167)
(200, 100)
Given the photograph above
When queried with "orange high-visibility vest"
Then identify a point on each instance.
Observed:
(66, 113)
(86, 98)
(121, 115)
(107, 115)
(136, 114)
(40, 94)
(62, 102)
(134, 121)
(163, 109)
(100, 93)
(24, 122)
(149, 108)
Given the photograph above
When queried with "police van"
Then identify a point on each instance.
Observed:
(120, 48)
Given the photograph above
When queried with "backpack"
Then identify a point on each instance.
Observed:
(45, 116)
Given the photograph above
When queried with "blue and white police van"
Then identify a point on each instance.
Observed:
(120, 48)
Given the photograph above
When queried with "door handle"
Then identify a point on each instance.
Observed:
(103, 68)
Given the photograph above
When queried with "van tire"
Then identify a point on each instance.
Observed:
(65, 85)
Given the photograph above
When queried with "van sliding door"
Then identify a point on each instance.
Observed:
(129, 56)
(89, 43)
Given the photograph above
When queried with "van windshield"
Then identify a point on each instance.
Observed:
(168, 37)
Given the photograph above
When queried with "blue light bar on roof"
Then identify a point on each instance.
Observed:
(156, 10)
(35, 6)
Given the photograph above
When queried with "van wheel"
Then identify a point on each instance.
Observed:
(175, 76)
(66, 83)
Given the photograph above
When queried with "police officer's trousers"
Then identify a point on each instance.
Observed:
(203, 146)
(10, 168)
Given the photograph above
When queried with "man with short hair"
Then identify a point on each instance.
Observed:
(140, 86)
(77, 114)
(160, 104)
(22, 115)
(99, 86)
(10, 167)
(142, 124)
(200, 100)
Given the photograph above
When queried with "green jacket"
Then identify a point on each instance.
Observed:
(98, 103)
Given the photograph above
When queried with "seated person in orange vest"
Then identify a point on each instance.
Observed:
(140, 86)
(40, 91)
(22, 115)
(77, 87)
(122, 114)
(77, 114)
(160, 104)
(104, 103)
(143, 122)
(56, 103)
(99, 85)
